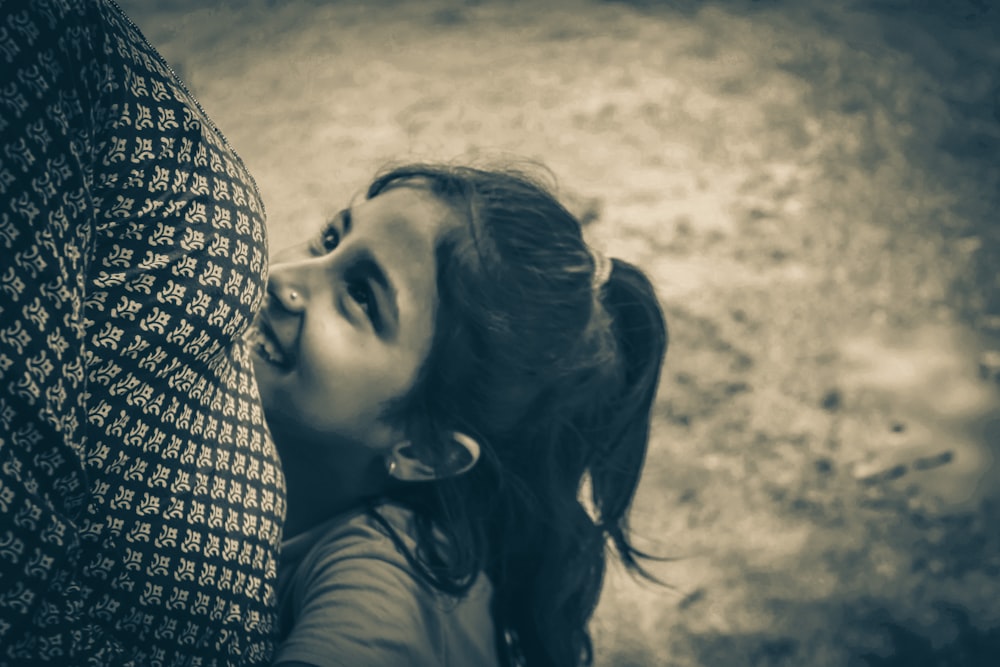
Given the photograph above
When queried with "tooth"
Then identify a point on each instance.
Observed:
(271, 351)
(267, 347)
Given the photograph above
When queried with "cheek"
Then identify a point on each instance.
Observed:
(338, 394)
(348, 380)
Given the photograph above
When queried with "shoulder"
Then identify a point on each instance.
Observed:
(347, 540)
(348, 562)
(351, 598)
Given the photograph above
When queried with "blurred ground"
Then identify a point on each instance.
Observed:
(814, 189)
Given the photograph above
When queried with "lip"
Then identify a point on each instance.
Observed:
(263, 327)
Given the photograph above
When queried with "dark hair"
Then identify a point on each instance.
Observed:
(555, 377)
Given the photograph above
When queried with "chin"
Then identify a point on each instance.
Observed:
(258, 371)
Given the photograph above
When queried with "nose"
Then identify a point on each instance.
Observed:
(290, 299)
(299, 277)
(287, 289)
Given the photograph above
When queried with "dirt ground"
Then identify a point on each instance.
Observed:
(813, 187)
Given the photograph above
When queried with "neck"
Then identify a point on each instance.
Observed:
(321, 489)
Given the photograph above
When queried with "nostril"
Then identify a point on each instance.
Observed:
(288, 298)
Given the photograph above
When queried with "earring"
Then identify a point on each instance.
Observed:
(293, 296)
(392, 466)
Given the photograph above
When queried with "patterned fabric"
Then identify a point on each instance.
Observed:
(140, 495)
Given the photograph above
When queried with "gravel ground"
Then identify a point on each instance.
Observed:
(813, 187)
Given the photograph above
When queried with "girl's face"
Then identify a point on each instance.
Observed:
(348, 321)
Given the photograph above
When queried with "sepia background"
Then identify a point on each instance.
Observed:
(813, 187)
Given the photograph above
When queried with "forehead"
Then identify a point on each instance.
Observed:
(406, 216)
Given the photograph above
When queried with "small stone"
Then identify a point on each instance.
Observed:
(831, 400)
(935, 461)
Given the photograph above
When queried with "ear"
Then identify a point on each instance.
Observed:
(403, 464)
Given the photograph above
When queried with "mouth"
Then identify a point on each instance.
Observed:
(265, 345)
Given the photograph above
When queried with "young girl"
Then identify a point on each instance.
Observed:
(460, 391)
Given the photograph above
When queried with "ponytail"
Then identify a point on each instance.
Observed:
(550, 568)
(640, 330)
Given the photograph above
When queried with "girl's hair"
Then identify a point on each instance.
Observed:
(555, 375)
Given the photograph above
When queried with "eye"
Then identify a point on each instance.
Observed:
(332, 233)
(361, 292)
(327, 239)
